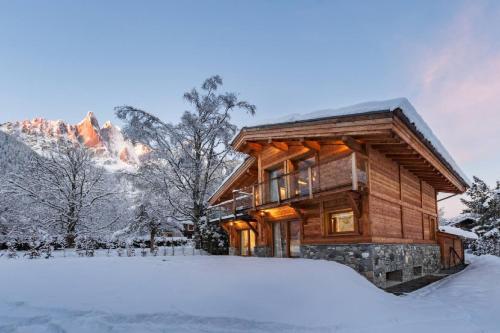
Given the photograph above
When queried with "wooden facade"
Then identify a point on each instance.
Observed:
(361, 179)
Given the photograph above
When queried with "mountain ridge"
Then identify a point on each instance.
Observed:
(108, 143)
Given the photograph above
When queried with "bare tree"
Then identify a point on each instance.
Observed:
(189, 158)
(67, 185)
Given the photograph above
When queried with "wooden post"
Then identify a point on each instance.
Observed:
(234, 203)
(309, 176)
(354, 173)
(253, 197)
(278, 189)
(261, 194)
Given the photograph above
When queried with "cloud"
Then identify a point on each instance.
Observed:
(458, 80)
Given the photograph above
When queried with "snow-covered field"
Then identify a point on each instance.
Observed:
(234, 294)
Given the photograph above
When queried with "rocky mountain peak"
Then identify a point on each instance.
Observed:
(108, 142)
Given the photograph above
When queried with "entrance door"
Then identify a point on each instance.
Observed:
(279, 239)
(286, 239)
(247, 242)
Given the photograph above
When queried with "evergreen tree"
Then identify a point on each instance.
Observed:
(484, 202)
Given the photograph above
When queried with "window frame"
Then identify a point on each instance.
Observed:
(328, 226)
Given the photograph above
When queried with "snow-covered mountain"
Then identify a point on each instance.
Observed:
(110, 146)
(13, 154)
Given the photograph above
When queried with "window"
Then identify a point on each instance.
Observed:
(190, 227)
(247, 242)
(302, 187)
(277, 186)
(341, 222)
(394, 276)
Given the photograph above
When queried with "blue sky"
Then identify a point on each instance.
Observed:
(60, 59)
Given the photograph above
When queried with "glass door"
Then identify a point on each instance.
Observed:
(247, 242)
(286, 239)
(244, 243)
(279, 240)
(294, 238)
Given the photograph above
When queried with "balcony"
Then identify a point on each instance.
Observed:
(344, 173)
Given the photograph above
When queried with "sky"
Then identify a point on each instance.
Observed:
(61, 59)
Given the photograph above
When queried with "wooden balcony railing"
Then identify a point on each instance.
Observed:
(345, 172)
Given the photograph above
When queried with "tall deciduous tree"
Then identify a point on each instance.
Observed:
(189, 158)
(67, 186)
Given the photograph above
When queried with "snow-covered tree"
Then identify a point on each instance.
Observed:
(15, 219)
(67, 186)
(11, 250)
(485, 203)
(189, 159)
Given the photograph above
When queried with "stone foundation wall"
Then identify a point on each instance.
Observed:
(405, 257)
(375, 260)
(233, 251)
(262, 251)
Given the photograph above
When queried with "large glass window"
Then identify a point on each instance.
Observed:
(303, 175)
(247, 242)
(340, 222)
(277, 186)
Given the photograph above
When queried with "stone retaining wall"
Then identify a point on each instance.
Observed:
(375, 260)
(262, 251)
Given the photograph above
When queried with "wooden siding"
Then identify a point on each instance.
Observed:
(446, 243)
(401, 204)
(398, 205)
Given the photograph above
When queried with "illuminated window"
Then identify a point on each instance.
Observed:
(277, 189)
(340, 222)
(247, 242)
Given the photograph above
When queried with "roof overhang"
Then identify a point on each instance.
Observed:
(390, 131)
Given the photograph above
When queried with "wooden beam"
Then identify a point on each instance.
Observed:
(283, 146)
(252, 227)
(406, 156)
(300, 214)
(310, 144)
(252, 146)
(354, 199)
(390, 146)
(395, 150)
(353, 144)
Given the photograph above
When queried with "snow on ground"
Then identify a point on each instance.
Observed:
(234, 294)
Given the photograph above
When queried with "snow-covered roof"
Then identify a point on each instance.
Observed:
(460, 218)
(376, 106)
(458, 232)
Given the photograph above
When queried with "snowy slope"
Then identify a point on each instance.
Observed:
(234, 294)
(377, 106)
(13, 154)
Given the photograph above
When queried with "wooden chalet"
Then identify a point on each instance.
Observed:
(356, 185)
